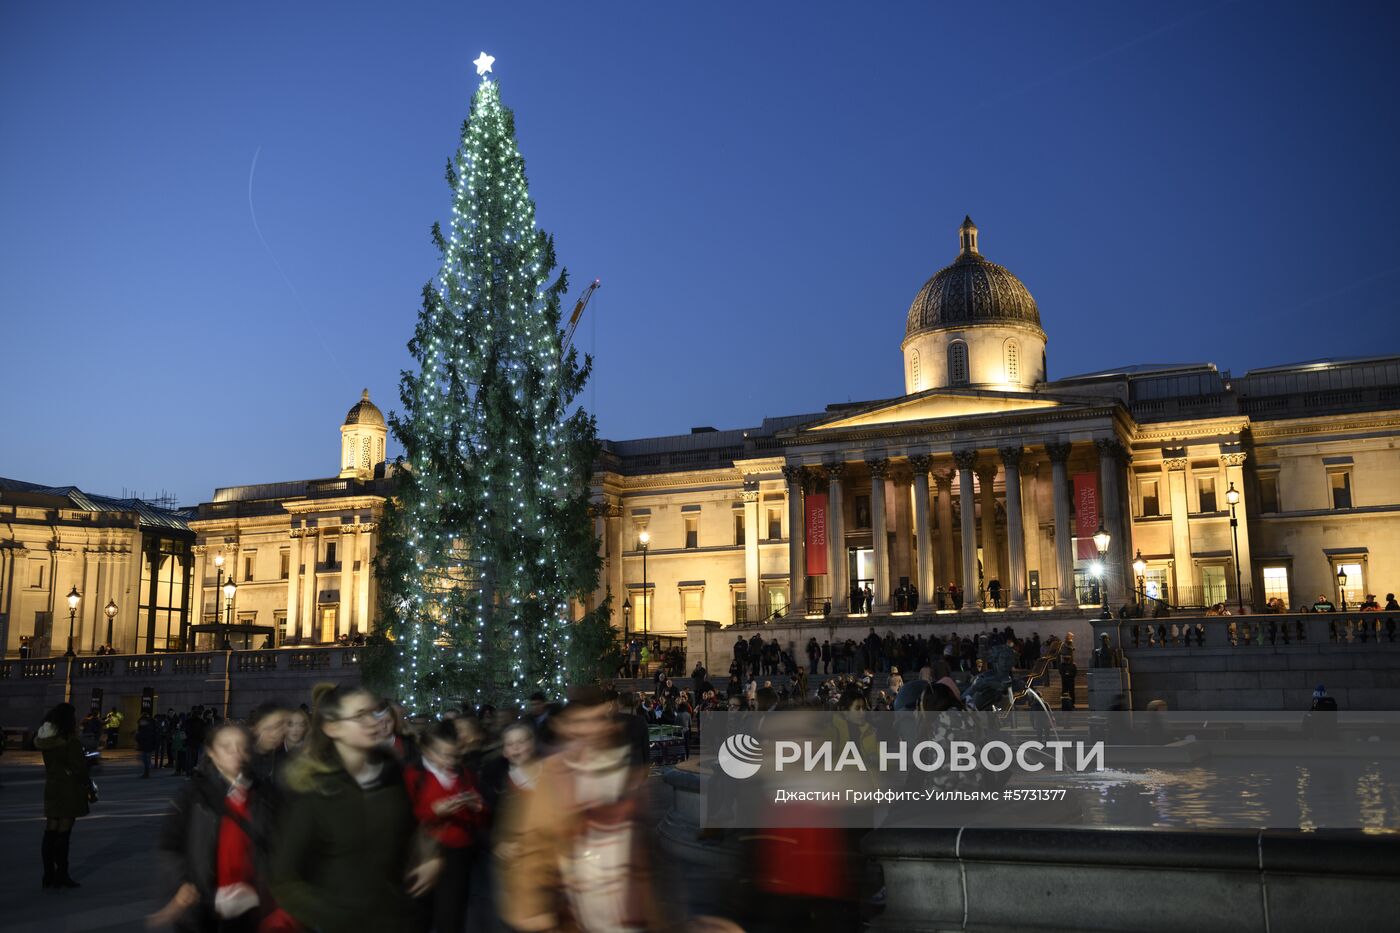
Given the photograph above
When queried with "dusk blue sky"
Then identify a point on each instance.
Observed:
(762, 188)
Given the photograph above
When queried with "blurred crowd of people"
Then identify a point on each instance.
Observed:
(346, 815)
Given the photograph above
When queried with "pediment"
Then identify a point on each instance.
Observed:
(941, 404)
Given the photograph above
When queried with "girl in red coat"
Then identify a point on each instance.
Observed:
(448, 806)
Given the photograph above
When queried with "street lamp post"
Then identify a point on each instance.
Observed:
(645, 540)
(627, 617)
(111, 612)
(73, 597)
(218, 585)
(1232, 496)
(1140, 569)
(1341, 587)
(1102, 539)
(230, 588)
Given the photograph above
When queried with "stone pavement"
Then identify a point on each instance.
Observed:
(114, 849)
(113, 854)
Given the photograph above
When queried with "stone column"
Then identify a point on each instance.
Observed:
(598, 511)
(947, 566)
(899, 522)
(837, 572)
(616, 585)
(1112, 518)
(364, 579)
(797, 545)
(991, 563)
(1030, 515)
(1065, 597)
(1015, 533)
(347, 580)
(879, 534)
(293, 587)
(310, 548)
(1182, 566)
(926, 580)
(750, 496)
(1234, 473)
(967, 461)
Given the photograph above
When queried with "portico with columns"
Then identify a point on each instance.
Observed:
(977, 492)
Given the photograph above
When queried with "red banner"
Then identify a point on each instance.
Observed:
(815, 514)
(1086, 514)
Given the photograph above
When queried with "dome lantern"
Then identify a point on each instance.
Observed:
(973, 323)
(967, 237)
(362, 439)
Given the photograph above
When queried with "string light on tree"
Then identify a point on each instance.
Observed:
(489, 537)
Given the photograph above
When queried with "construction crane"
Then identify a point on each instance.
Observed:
(578, 313)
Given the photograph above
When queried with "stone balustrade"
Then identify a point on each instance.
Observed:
(1252, 662)
(1248, 631)
(228, 680)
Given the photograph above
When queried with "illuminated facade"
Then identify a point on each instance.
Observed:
(985, 472)
(128, 554)
(301, 553)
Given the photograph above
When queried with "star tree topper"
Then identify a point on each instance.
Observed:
(483, 63)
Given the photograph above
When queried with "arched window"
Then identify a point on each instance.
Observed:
(1013, 362)
(915, 377)
(957, 364)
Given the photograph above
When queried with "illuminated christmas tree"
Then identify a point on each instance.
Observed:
(490, 538)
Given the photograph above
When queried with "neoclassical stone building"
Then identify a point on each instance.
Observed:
(128, 560)
(984, 472)
(302, 552)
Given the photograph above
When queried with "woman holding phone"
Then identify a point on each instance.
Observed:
(449, 807)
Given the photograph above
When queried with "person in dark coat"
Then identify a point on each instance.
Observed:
(66, 790)
(147, 741)
(213, 845)
(826, 657)
(348, 855)
(268, 724)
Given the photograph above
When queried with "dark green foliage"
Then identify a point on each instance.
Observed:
(491, 537)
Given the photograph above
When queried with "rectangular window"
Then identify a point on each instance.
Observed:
(1154, 583)
(775, 523)
(777, 601)
(286, 558)
(741, 606)
(328, 623)
(643, 619)
(1213, 584)
(1205, 493)
(160, 623)
(1276, 584)
(279, 621)
(692, 604)
(1151, 504)
(248, 567)
(1354, 590)
(330, 554)
(36, 574)
(692, 531)
(1340, 481)
(861, 504)
(1268, 493)
(739, 538)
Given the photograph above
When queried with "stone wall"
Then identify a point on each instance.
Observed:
(1264, 662)
(1145, 881)
(713, 643)
(231, 681)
